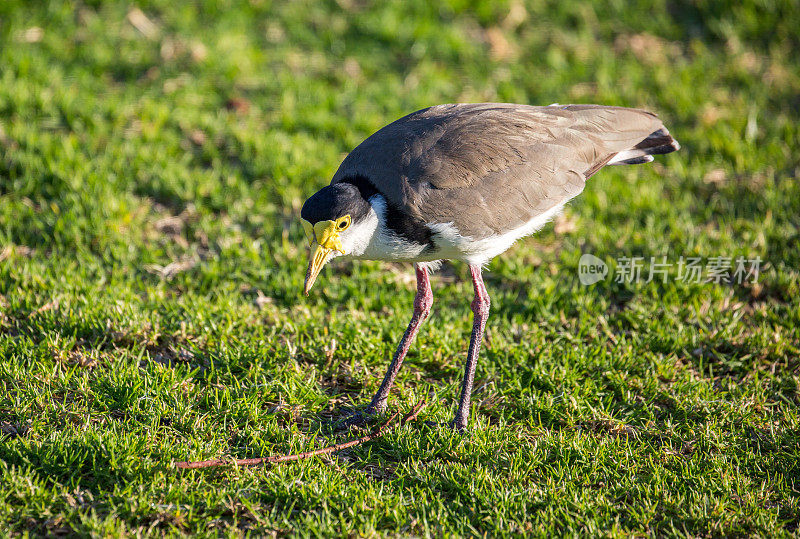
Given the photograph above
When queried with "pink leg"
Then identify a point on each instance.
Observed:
(422, 308)
(480, 309)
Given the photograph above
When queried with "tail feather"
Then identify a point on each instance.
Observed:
(659, 142)
(634, 160)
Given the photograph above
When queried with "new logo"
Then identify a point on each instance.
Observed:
(591, 269)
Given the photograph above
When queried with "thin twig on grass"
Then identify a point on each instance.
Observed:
(378, 432)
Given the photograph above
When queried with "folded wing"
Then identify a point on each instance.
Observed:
(487, 168)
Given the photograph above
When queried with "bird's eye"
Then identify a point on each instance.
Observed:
(343, 223)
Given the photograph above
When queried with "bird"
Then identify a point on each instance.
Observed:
(464, 182)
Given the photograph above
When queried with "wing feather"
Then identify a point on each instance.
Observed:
(488, 168)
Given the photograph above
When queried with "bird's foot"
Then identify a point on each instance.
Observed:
(458, 425)
(454, 425)
(358, 418)
(355, 418)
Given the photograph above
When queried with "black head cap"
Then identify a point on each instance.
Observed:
(335, 201)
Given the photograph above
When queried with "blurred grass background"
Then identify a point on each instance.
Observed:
(153, 160)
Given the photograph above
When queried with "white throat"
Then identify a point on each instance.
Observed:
(372, 239)
(356, 240)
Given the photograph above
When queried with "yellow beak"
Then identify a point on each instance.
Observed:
(324, 242)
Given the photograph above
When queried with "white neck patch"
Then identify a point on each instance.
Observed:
(372, 239)
(357, 239)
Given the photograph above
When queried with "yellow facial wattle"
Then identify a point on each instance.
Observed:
(324, 235)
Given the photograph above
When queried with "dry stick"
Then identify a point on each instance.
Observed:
(380, 431)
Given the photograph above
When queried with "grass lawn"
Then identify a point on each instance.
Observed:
(153, 161)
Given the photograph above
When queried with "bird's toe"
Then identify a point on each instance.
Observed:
(352, 418)
(458, 426)
(454, 425)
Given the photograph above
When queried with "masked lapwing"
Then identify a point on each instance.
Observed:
(464, 182)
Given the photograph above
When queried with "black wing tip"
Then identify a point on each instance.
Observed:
(636, 160)
(658, 142)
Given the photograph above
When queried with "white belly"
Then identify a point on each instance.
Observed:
(374, 241)
(451, 245)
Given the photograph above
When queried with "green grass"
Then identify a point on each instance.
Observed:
(152, 166)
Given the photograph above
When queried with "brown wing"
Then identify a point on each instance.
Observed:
(488, 168)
